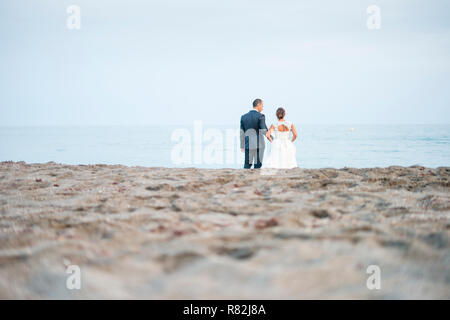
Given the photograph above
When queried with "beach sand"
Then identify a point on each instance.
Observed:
(138, 232)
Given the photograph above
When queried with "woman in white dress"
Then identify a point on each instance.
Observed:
(282, 151)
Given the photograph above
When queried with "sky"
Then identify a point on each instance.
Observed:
(172, 62)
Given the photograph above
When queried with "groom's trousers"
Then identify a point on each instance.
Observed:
(253, 156)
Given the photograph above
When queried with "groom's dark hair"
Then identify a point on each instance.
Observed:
(256, 102)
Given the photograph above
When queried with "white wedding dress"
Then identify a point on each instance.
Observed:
(282, 151)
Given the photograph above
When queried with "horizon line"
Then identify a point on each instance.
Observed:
(211, 124)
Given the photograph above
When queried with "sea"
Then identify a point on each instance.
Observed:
(217, 146)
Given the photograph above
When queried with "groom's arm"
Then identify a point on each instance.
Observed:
(242, 136)
(262, 125)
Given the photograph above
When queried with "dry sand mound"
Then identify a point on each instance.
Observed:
(140, 232)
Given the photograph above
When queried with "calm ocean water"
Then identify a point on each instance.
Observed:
(318, 146)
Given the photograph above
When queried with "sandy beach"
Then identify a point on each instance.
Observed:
(138, 232)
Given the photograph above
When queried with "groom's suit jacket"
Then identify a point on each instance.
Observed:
(253, 130)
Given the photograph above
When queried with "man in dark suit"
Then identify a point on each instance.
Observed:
(253, 131)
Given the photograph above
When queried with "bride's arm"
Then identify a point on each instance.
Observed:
(269, 133)
(294, 133)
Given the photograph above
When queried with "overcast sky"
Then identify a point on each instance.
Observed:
(146, 62)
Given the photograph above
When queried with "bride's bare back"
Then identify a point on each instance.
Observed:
(282, 126)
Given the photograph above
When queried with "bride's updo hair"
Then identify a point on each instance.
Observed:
(280, 113)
